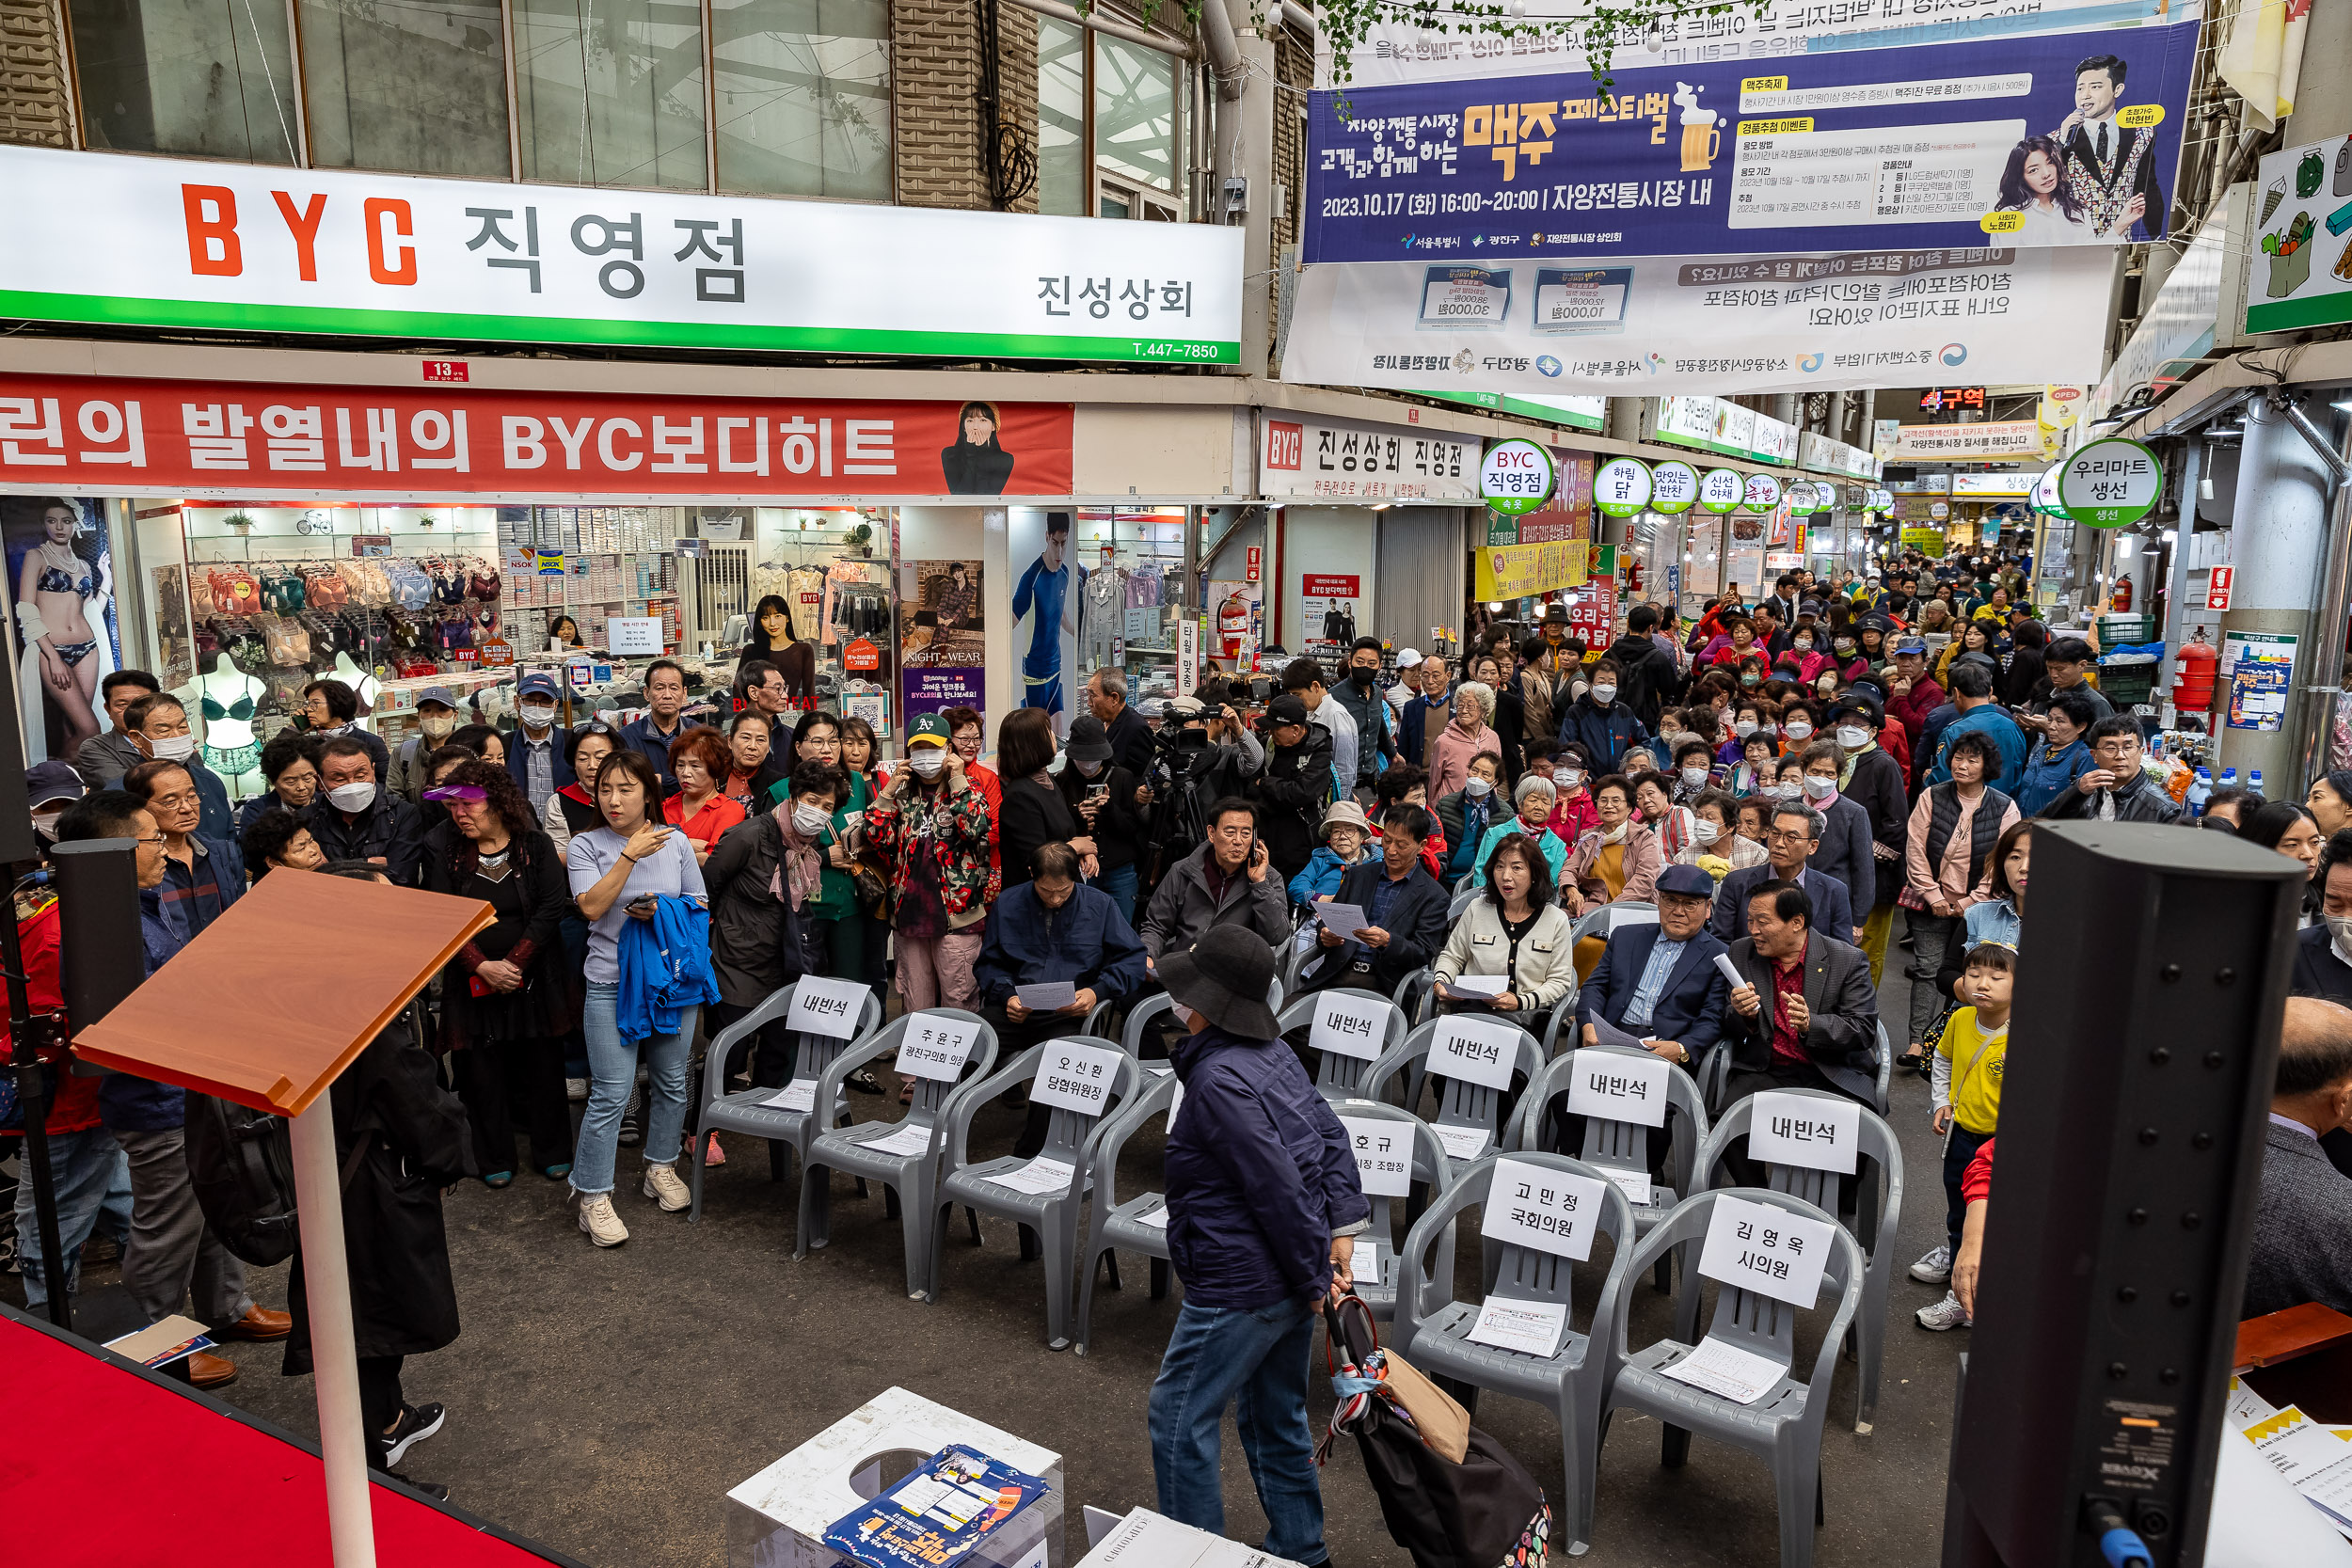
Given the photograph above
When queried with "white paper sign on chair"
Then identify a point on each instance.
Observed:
(1619, 1088)
(936, 1047)
(1476, 1050)
(823, 1007)
(1384, 1155)
(1352, 1027)
(1764, 1248)
(1076, 1077)
(1799, 1130)
(1551, 1210)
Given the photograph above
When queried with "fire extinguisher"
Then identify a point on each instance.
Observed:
(1633, 578)
(1232, 622)
(2122, 596)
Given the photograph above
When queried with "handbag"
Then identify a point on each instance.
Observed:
(1450, 1495)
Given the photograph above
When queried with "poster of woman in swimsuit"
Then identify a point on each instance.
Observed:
(62, 601)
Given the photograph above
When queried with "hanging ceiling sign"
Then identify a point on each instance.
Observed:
(1621, 486)
(2111, 482)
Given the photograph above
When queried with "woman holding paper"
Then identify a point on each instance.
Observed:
(1509, 953)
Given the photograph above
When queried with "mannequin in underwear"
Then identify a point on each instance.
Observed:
(224, 698)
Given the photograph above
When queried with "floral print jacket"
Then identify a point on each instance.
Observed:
(951, 829)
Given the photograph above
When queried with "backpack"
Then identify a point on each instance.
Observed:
(241, 1162)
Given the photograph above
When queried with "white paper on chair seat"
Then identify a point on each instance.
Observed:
(1384, 1155)
(798, 1095)
(1342, 920)
(1350, 1026)
(1633, 1183)
(1048, 996)
(1741, 1376)
(936, 1047)
(1619, 1088)
(1364, 1264)
(823, 1007)
(1799, 1130)
(1530, 1328)
(1156, 1219)
(1475, 1050)
(1477, 985)
(1463, 1143)
(1076, 1077)
(1534, 1206)
(908, 1139)
(1039, 1174)
(1765, 1248)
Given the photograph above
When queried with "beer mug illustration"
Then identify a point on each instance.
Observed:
(1702, 134)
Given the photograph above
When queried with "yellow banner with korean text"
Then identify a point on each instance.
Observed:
(1516, 571)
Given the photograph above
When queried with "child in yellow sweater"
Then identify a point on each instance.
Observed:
(1970, 1062)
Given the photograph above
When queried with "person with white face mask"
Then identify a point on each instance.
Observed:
(158, 726)
(1599, 723)
(537, 756)
(356, 818)
(436, 721)
(1873, 780)
(1467, 813)
(930, 830)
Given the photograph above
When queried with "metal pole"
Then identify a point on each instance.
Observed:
(32, 1093)
(2322, 690)
(2176, 589)
(334, 1354)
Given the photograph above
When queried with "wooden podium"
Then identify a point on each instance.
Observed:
(266, 1008)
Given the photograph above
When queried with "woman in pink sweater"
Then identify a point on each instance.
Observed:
(1464, 739)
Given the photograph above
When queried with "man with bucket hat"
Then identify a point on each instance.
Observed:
(1263, 1206)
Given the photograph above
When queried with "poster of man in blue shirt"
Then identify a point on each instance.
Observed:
(1048, 594)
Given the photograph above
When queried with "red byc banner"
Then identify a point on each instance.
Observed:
(88, 435)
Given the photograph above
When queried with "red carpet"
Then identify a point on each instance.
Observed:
(104, 1464)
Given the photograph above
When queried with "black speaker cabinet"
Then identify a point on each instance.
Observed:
(101, 956)
(2151, 977)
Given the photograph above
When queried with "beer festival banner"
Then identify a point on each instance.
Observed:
(2059, 139)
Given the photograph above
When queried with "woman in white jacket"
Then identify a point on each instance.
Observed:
(1516, 935)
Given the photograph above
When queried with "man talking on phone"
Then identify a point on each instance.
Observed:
(1226, 882)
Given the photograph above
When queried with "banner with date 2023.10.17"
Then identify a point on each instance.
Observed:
(1725, 326)
(2065, 138)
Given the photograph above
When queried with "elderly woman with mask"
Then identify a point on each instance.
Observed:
(1535, 797)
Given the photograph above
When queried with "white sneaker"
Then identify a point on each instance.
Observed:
(575, 1090)
(603, 1225)
(662, 1185)
(1935, 1268)
(1946, 1314)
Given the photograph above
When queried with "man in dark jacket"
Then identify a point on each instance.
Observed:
(1658, 981)
(652, 733)
(1295, 785)
(1805, 1016)
(1791, 838)
(2118, 789)
(1601, 720)
(1361, 696)
(1404, 904)
(538, 754)
(1650, 673)
(1046, 932)
(1129, 734)
(356, 818)
(1228, 880)
(1263, 1206)
(2297, 1254)
(1873, 780)
(1426, 715)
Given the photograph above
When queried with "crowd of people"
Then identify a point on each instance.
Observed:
(1774, 779)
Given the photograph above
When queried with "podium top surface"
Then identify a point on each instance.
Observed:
(807, 1489)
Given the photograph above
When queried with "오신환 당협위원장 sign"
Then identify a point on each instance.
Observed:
(2065, 138)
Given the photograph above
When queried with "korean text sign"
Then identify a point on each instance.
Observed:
(1551, 1210)
(204, 437)
(181, 243)
(1867, 147)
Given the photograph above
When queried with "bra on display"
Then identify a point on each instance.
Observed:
(242, 710)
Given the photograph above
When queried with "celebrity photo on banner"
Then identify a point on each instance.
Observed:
(61, 585)
(2062, 138)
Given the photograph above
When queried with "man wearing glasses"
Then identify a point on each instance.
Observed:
(1789, 840)
(2118, 789)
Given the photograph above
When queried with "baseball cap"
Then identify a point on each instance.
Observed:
(50, 781)
(1687, 880)
(436, 694)
(538, 684)
(928, 729)
(1408, 658)
(1286, 709)
(1910, 644)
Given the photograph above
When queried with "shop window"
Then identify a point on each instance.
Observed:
(419, 88)
(803, 94)
(1135, 559)
(1135, 114)
(1061, 64)
(612, 97)
(207, 78)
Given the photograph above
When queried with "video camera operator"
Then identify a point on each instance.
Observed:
(1295, 785)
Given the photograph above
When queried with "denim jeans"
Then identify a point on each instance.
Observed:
(1259, 1356)
(613, 1073)
(91, 1174)
(1119, 883)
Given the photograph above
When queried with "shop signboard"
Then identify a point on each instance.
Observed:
(2045, 494)
(1306, 457)
(183, 243)
(1775, 440)
(1720, 490)
(1515, 477)
(1709, 326)
(1968, 443)
(1674, 486)
(1516, 571)
(1762, 492)
(1979, 487)
(1927, 541)
(1575, 413)
(371, 545)
(1906, 148)
(935, 690)
(2110, 483)
(2257, 673)
(1568, 514)
(229, 439)
(2299, 271)
(1621, 486)
(496, 654)
(633, 636)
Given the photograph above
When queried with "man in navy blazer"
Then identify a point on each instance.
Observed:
(1794, 833)
(1406, 908)
(1678, 1012)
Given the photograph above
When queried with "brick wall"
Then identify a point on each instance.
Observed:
(934, 68)
(34, 103)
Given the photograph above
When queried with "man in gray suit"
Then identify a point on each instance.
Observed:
(1806, 1015)
(2302, 1248)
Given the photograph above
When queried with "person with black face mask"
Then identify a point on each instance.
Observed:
(1105, 795)
(1365, 703)
(49, 787)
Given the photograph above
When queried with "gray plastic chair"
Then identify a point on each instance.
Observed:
(1412, 993)
(1783, 1428)
(746, 1111)
(1431, 1168)
(1141, 1013)
(1462, 901)
(1113, 1226)
(1621, 1145)
(1572, 1383)
(1597, 923)
(909, 1177)
(1460, 1103)
(1070, 1137)
(1878, 1210)
(1339, 1076)
(1886, 1067)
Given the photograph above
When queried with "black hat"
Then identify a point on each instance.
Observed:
(1089, 741)
(1226, 977)
(1289, 708)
